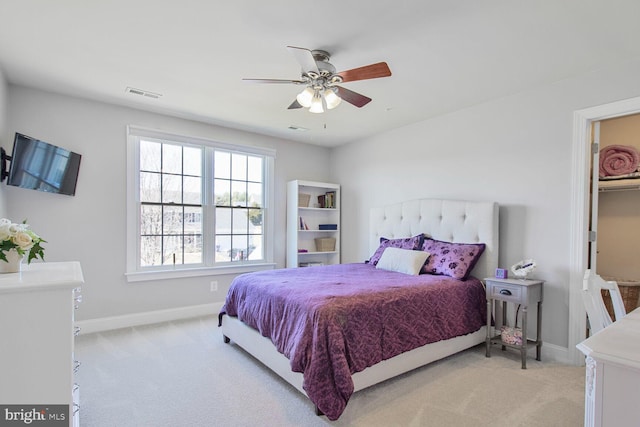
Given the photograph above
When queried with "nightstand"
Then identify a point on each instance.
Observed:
(517, 291)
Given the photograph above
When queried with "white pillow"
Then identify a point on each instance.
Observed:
(402, 260)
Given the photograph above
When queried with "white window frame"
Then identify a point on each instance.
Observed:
(134, 272)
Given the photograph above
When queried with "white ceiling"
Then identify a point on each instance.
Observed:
(444, 55)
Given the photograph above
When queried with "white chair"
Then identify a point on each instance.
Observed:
(592, 286)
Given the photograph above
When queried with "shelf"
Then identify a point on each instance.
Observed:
(312, 216)
(302, 208)
(497, 340)
(317, 253)
(619, 184)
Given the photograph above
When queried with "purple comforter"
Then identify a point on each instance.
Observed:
(333, 321)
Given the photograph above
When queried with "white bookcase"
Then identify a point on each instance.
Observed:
(37, 363)
(305, 220)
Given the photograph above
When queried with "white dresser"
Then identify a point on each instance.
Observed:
(612, 387)
(37, 336)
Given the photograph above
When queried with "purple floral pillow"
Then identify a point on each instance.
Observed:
(411, 243)
(451, 259)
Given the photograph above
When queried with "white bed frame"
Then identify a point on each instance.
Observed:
(449, 220)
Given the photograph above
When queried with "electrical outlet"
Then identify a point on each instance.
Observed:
(214, 285)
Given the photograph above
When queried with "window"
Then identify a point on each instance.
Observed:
(196, 206)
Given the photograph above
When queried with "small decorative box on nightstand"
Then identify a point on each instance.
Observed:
(516, 291)
(501, 273)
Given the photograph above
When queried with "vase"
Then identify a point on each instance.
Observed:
(13, 262)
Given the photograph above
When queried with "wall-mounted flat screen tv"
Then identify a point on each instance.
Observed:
(38, 165)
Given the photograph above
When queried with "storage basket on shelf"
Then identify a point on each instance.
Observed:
(303, 200)
(512, 335)
(325, 244)
(629, 291)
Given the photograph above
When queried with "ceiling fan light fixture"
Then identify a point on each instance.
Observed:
(331, 98)
(316, 103)
(305, 97)
(319, 77)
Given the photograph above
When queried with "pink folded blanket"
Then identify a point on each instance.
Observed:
(618, 160)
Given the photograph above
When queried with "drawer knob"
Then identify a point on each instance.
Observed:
(505, 292)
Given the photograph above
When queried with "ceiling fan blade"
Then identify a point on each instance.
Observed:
(305, 58)
(352, 97)
(295, 104)
(373, 71)
(278, 81)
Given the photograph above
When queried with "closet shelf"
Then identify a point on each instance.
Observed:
(619, 184)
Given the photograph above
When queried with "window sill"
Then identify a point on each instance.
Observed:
(196, 272)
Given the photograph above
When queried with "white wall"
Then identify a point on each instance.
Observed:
(516, 151)
(3, 127)
(90, 227)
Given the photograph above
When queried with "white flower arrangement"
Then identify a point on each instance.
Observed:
(523, 268)
(20, 238)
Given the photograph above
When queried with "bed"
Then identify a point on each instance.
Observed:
(313, 352)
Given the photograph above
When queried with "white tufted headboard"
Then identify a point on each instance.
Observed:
(449, 220)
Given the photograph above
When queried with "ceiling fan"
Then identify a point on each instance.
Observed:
(321, 81)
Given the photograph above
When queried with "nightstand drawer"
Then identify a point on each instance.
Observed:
(504, 292)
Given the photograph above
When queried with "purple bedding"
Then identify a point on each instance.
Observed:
(333, 321)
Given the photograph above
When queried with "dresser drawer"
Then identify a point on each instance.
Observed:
(505, 292)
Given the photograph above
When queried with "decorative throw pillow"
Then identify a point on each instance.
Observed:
(402, 260)
(411, 243)
(451, 259)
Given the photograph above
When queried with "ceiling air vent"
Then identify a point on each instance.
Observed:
(144, 93)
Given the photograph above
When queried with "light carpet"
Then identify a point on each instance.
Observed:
(182, 374)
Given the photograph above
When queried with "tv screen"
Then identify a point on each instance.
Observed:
(38, 165)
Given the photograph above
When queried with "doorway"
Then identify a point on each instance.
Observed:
(580, 207)
(619, 206)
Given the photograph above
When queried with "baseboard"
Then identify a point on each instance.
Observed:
(146, 318)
